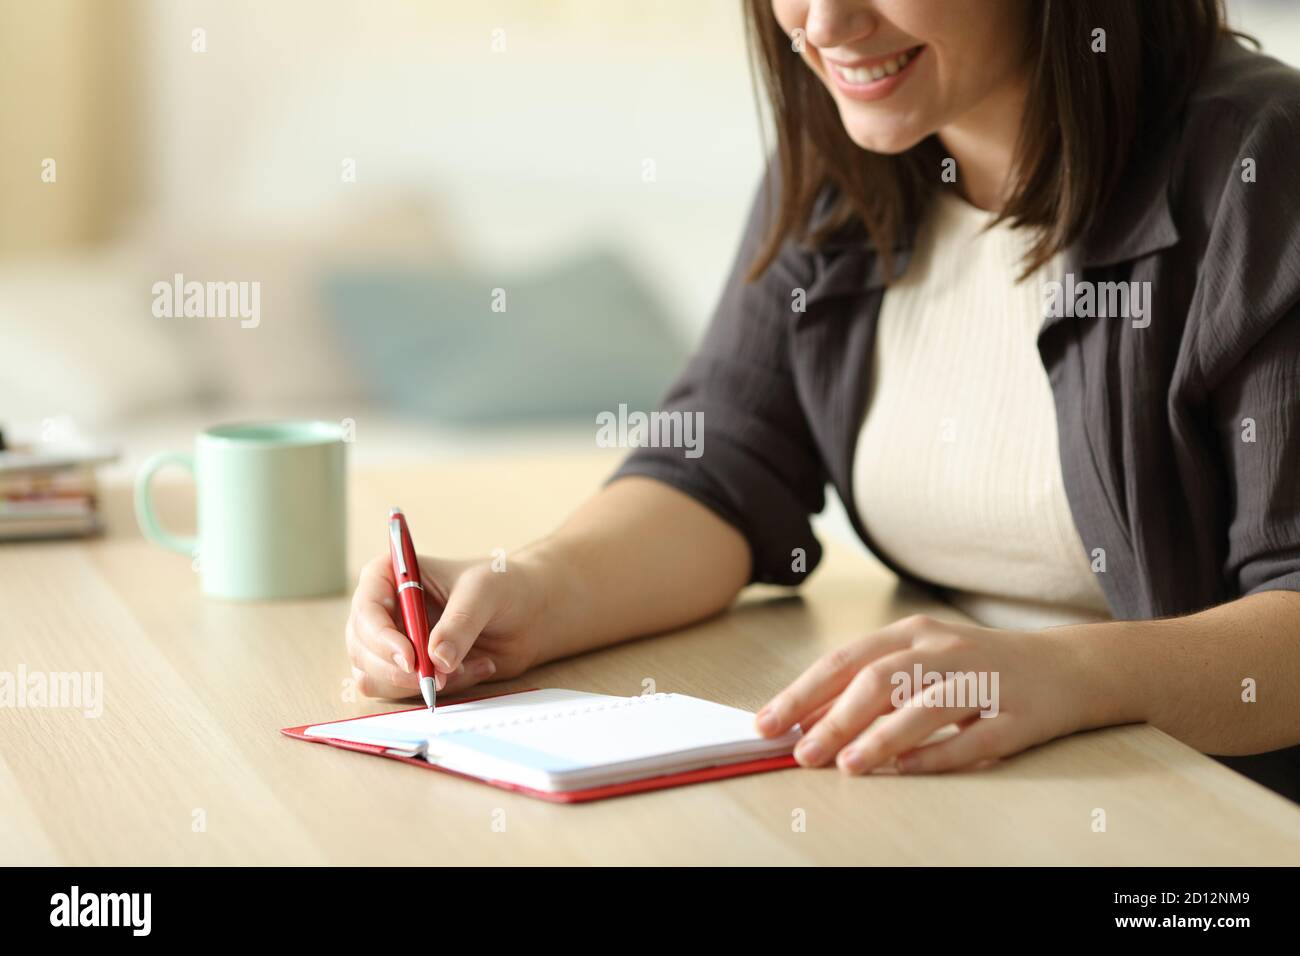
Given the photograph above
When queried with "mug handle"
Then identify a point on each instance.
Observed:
(144, 513)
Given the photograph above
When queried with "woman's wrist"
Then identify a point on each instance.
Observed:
(1113, 685)
(555, 595)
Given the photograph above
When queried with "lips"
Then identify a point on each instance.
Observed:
(867, 81)
(862, 74)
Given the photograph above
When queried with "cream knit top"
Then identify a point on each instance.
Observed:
(957, 474)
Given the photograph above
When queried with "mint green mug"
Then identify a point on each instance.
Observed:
(272, 509)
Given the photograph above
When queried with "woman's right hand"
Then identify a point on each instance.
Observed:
(484, 625)
(581, 587)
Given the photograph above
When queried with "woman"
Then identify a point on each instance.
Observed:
(1113, 488)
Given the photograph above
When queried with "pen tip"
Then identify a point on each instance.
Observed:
(394, 511)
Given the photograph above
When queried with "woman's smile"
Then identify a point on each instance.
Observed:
(872, 79)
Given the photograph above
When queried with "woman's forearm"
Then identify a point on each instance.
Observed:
(637, 558)
(1225, 680)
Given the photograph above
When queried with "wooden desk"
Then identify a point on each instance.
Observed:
(195, 691)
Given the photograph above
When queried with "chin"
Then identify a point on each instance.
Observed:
(879, 135)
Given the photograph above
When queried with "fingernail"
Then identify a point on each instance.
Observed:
(400, 661)
(357, 674)
(850, 760)
(808, 752)
(444, 655)
(487, 668)
(908, 763)
(766, 720)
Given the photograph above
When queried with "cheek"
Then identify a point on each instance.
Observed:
(975, 51)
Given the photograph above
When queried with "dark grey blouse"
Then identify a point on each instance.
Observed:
(1179, 432)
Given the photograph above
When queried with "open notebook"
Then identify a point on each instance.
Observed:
(565, 742)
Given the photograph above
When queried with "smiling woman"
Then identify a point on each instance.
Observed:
(1111, 496)
(1022, 92)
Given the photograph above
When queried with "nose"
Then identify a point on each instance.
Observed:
(832, 23)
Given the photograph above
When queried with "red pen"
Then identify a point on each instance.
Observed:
(410, 594)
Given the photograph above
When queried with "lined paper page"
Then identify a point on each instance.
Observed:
(557, 740)
(416, 726)
(622, 729)
(609, 742)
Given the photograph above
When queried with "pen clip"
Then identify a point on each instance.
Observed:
(399, 553)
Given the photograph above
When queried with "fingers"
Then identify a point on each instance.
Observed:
(474, 669)
(371, 686)
(383, 660)
(810, 720)
(388, 671)
(375, 631)
(375, 614)
(379, 677)
(978, 741)
(469, 608)
(376, 585)
(905, 729)
(829, 676)
(864, 699)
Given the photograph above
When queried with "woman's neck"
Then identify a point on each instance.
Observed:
(984, 141)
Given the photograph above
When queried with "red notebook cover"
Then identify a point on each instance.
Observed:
(762, 765)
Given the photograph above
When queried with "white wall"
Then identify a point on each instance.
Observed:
(532, 151)
(1275, 23)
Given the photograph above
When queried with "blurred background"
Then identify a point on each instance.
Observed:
(472, 225)
(558, 184)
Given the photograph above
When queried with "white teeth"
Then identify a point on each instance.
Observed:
(860, 76)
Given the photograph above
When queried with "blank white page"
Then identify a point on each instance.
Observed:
(605, 741)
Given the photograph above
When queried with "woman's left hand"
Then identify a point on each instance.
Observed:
(1029, 683)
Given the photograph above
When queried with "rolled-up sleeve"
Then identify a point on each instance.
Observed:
(1258, 411)
(758, 466)
(1248, 343)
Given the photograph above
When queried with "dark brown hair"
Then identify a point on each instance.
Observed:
(1085, 116)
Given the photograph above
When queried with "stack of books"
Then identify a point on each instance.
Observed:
(49, 491)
